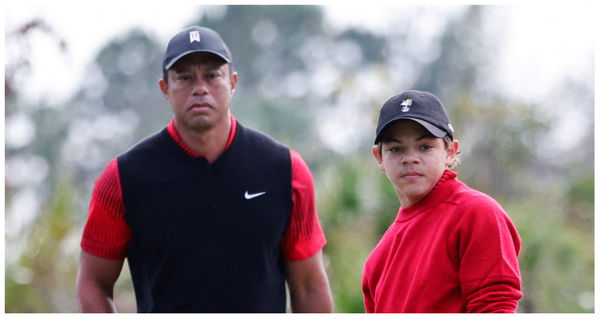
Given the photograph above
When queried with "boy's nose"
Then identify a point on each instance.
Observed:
(410, 157)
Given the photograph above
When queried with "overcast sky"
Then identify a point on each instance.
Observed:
(535, 54)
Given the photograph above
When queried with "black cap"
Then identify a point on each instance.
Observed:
(195, 39)
(419, 106)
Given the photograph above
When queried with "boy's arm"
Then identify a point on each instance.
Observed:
(308, 284)
(95, 282)
(367, 296)
(489, 269)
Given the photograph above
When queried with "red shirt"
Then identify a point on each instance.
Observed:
(453, 251)
(106, 233)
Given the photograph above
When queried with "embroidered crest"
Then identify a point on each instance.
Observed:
(406, 103)
(194, 36)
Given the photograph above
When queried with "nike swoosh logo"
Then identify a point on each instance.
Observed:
(251, 196)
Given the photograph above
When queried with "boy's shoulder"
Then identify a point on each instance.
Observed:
(468, 200)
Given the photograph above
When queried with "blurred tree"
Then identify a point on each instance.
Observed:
(42, 278)
(118, 104)
(277, 53)
(318, 90)
(39, 220)
(267, 55)
(19, 64)
(463, 55)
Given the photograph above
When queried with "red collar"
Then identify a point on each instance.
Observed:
(175, 135)
(438, 193)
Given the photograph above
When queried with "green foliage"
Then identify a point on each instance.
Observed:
(346, 255)
(277, 51)
(556, 260)
(42, 280)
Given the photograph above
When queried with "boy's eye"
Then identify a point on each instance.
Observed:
(426, 147)
(394, 149)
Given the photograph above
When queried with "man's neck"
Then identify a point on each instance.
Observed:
(210, 143)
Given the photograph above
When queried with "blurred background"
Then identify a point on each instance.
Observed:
(518, 82)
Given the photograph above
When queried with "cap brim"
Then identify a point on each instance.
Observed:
(434, 130)
(177, 58)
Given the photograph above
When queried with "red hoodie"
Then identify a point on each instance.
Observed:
(453, 251)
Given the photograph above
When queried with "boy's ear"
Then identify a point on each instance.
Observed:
(378, 157)
(451, 153)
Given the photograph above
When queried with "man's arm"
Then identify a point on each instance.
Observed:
(308, 284)
(95, 282)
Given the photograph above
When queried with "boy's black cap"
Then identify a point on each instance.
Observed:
(194, 39)
(419, 106)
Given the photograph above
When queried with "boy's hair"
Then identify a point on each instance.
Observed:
(447, 143)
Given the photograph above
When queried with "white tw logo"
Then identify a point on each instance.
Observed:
(194, 36)
(406, 103)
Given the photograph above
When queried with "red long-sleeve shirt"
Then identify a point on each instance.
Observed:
(454, 251)
(106, 233)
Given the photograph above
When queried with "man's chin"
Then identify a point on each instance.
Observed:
(198, 124)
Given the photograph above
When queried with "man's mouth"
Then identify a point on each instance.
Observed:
(200, 106)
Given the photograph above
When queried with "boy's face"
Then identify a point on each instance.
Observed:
(413, 159)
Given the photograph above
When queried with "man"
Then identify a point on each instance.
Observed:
(211, 215)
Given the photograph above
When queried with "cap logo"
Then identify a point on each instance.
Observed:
(194, 36)
(406, 103)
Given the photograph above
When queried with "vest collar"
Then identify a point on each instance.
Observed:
(177, 138)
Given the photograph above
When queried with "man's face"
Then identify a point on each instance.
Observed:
(413, 159)
(199, 89)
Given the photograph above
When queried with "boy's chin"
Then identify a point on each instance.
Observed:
(413, 193)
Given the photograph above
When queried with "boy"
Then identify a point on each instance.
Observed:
(451, 248)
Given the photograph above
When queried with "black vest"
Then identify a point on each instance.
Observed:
(199, 245)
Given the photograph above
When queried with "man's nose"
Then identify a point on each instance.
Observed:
(200, 86)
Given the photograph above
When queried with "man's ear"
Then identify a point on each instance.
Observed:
(451, 153)
(164, 88)
(378, 157)
(233, 81)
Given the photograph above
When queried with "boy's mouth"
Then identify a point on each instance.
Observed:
(410, 175)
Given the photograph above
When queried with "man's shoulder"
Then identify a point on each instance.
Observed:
(258, 138)
(147, 144)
